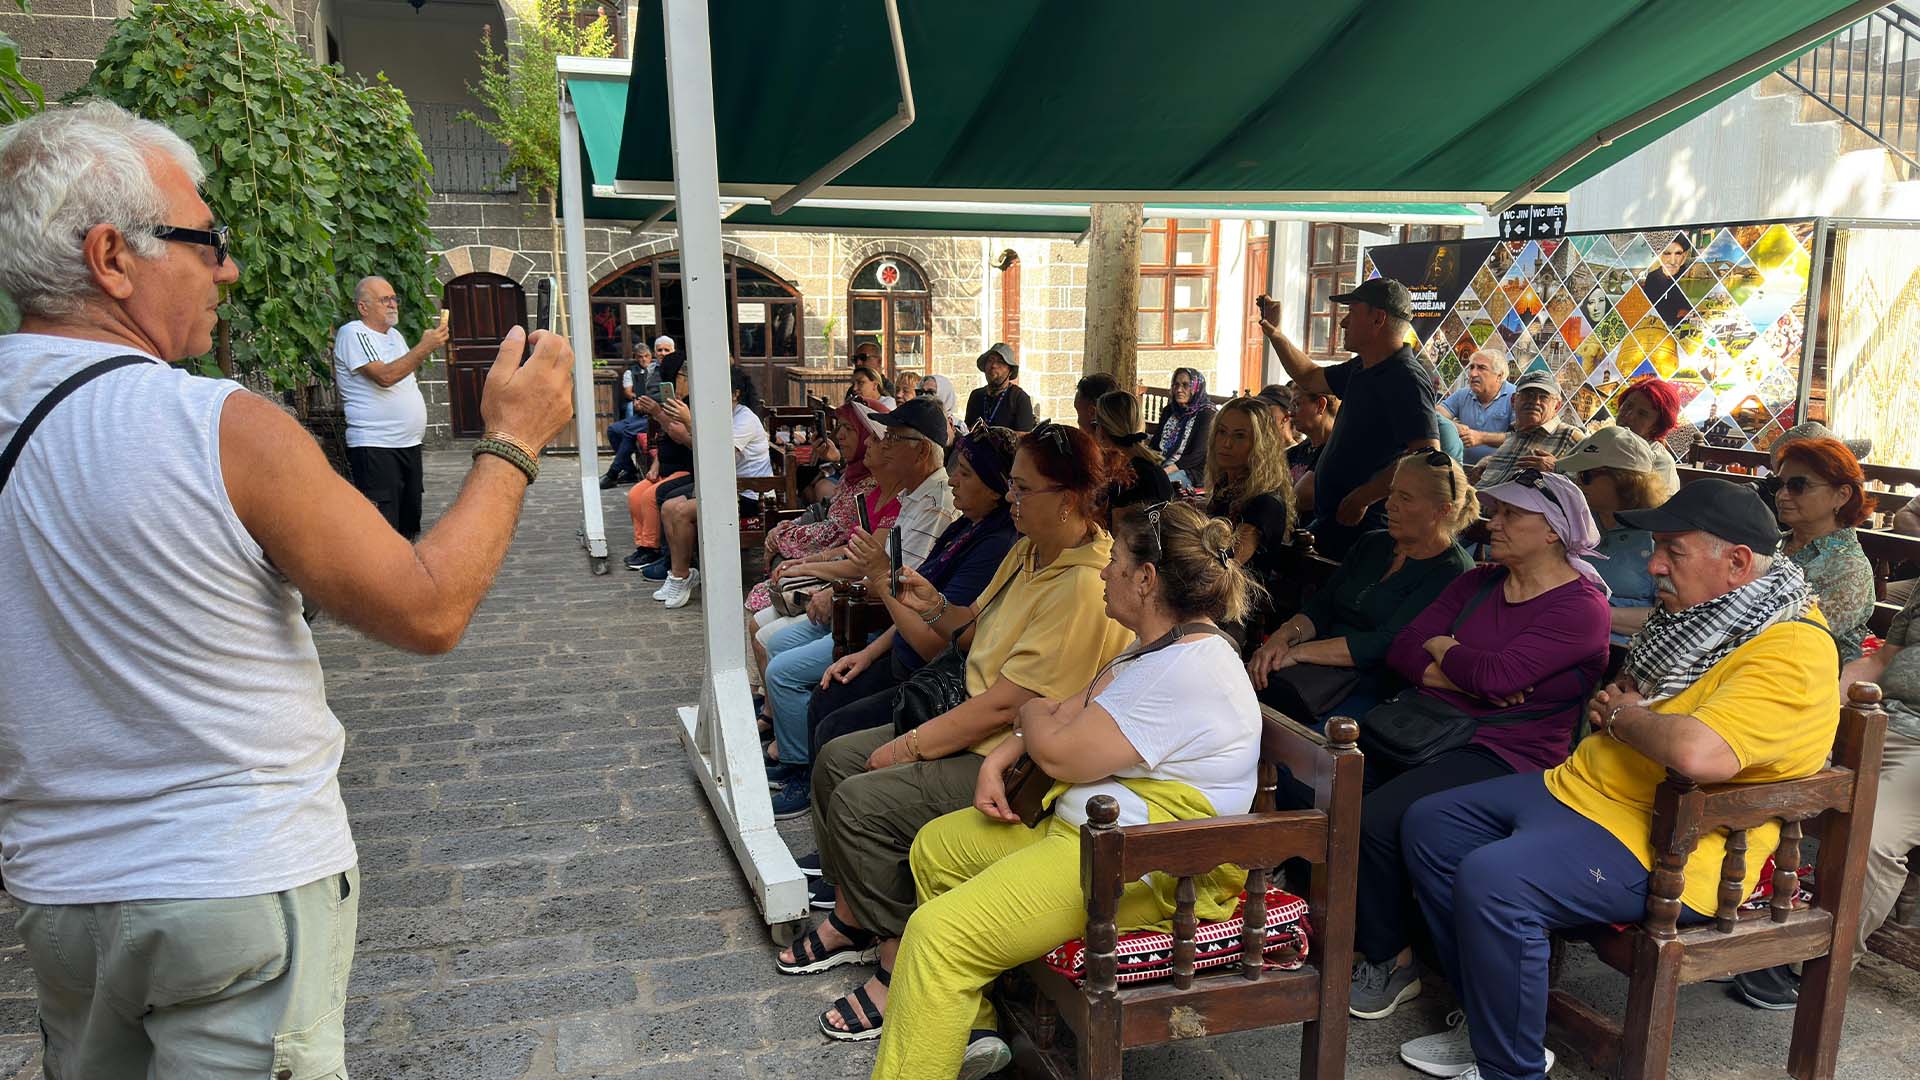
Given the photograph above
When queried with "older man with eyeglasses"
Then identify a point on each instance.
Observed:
(1538, 439)
(386, 415)
(171, 828)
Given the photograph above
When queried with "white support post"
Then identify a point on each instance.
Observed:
(720, 735)
(593, 526)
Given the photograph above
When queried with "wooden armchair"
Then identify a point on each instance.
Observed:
(1105, 1019)
(856, 617)
(1659, 957)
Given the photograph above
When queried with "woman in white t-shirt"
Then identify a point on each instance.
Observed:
(1171, 729)
(679, 515)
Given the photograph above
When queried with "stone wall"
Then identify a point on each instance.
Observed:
(60, 38)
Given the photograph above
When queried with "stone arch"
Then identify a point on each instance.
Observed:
(483, 258)
(607, 265)
(868, 248)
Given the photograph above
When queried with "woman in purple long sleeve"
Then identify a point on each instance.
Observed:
(1518, 645)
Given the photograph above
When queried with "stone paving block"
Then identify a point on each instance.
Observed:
(426, 928)
(713, 1026)
(508, 880)
(721, 973)
(654, 939)
(499, 845)
(385, 972)
(633, 866)
(479, 1005)
(16, 1053)
(586, 911)
(413, 888)
(552, 761)
(511, 788)
(495, 1055)
(816, 1059)
(721, 1067)
(366, 801)
(449, 819)
(426, 733)
(523, 956)
(591, 807)
(594, 1043)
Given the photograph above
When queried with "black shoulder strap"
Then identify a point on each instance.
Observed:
(59, 393)
(1466, 609)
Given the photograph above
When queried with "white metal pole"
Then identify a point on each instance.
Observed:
(593, 526)
(721, 736)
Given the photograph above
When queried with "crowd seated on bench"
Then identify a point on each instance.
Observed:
(1516, 717)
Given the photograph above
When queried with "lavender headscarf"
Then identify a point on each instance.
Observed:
(1565, 507)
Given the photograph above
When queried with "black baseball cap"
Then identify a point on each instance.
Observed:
(1733, 512)
(923, 415)
(1384, 293)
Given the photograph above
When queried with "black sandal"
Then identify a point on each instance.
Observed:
(859, 1028)
(810, 955)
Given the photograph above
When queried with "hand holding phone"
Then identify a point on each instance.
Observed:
(894, 555)
(866, 519)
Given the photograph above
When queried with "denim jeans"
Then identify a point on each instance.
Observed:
(798, 656)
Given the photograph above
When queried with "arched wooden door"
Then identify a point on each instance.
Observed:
(485, 307)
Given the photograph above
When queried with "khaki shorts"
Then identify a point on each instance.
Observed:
(244, 988)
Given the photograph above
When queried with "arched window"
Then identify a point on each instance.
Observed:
(890, 308)
(765, 316)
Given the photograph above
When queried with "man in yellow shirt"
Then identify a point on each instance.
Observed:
(1731, 680)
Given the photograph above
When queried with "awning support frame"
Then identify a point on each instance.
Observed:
(593, 526)
(901, 120)
(1687, 95)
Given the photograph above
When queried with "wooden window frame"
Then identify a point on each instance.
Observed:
(889, 333)
(1343, 274)
(1169, 272)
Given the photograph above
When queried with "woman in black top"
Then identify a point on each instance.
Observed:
(1116, 427)
(1248, 484)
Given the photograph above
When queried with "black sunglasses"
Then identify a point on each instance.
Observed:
(1153, 530)
(1792, 485)
(215, 238)
(1056, 436)
(1440, 459)
(1537, 480)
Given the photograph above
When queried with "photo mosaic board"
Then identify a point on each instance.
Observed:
(1719, 311)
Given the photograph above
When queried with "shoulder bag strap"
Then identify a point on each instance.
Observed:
(1473, 602)
(75, 381)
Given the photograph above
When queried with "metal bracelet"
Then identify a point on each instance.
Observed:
(938, 613)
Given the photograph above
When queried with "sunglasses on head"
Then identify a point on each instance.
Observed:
(1056, 437)
(1537, 480)
(1439, 459)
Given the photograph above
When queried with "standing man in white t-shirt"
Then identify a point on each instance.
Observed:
(386, 416)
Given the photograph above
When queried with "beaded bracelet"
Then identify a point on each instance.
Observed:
(937, 613)
(512, 453)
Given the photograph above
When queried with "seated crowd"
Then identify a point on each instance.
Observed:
(1530, 638)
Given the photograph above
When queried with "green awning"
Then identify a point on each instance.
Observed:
(1239, 101)
(600, 101)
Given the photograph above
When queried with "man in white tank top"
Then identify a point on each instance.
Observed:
(170, 815)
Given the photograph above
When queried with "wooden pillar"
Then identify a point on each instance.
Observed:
(1113, 292)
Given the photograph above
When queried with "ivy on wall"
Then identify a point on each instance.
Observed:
(20, 96)
(320, 175)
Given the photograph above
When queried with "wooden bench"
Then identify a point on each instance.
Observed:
(857, 616)
(1659, 957)
(1042, 1008)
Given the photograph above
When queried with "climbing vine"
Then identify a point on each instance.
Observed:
(20, 97)
(320, 175)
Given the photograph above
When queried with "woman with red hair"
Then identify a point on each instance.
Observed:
(1651, 410)
(1821, 496)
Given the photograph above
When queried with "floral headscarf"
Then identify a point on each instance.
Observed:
(1176, 421)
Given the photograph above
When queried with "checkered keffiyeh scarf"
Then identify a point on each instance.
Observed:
(1676, 648)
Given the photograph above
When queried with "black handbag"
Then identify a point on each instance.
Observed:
(1416, 727)
(1313, 689)
(941, 683)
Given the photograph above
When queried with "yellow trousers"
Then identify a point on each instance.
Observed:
(992, 897)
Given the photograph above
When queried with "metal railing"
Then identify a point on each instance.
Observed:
(1869, 74)
(465, 159)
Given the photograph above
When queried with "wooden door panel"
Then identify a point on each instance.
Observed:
(484, 307)
(1253, 348)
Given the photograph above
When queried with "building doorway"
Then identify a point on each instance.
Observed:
(892, 310)
(764, 317)
(1253, 346)
(484, 307)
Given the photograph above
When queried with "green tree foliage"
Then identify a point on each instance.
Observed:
(520, 88)
(20, 96)
(320, 176)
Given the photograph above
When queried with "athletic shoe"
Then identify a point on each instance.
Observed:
(657, 570)
(1775, 988)
(640, 558)
(1378, 989)
(780, 772)
(691, 585)
(987, 1053)
(794, 799)
(666, 586)
(821, 895)
(809, 865)
(1449, 1054)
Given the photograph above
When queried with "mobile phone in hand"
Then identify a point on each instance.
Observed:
(866, 520)
(668, 393)
(894, 556)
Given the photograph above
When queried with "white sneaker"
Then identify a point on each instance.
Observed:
(666, 587)
(1448, 1054)
(1474, 1073)
(680, 596)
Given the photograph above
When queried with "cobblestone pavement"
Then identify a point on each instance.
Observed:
(545, 894)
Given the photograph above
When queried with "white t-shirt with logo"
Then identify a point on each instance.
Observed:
(393, 417)
(1190, 711)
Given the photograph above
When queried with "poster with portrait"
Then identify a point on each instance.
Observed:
(1717, 310)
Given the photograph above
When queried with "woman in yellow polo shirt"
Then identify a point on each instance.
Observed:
(1039, 630)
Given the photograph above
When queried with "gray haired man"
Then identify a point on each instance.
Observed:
(170, 814)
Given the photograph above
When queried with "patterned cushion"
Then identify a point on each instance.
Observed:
(1145, 955)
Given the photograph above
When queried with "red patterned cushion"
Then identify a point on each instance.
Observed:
(1146, 955)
